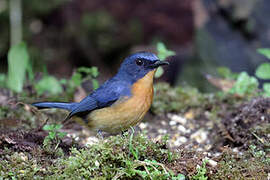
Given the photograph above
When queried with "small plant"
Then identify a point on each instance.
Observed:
(83, 74)
(244, 84)
(54, 137)
(133, 150)
(163, 53)
(201, 172)
(54, 86)
(263, 71)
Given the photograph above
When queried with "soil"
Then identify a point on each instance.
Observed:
(195, 131)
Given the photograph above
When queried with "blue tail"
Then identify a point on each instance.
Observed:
(61, 105)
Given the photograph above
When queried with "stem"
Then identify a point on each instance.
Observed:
(15, 17)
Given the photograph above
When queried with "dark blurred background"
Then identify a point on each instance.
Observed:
(205, 34)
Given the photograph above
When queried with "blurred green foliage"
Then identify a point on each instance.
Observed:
(54, 86)
(48, 84)
(19, 66)
(245, 85)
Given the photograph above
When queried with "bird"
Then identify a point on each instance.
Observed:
(121, 102)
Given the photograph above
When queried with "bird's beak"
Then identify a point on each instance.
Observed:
(159, 63)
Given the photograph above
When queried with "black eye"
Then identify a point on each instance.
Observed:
(139, 62)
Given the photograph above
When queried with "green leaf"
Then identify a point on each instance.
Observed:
(63, 81)
(77, 79)
(18, 59)
(226, 73)
(48, 127)
(263, 71)
(265, 52)
(95, 84)
(61, 135)
(52, 134)
(94, 72)
(163, 52)
(48, 84)
(58, 126)
(245, 84)
(266, 88)
(159, 72)
(85, 70)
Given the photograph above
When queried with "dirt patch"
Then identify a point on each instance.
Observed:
(23, 141)
(245, 125)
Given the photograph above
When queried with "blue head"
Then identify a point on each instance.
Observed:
(138, 65)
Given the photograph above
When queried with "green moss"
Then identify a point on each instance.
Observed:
(250, 165)
(111, 158)
(182, 98)
(179, 99)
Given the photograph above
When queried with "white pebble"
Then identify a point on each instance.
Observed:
(183, 139)
(162, 131)
(163, 123)
(200, 136)
(211, 162)
(143, 125)
(179, 141)
(177, 118)
(182, 129)
(172, 123)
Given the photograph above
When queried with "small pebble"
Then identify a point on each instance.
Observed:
(183, 139)
(23, 156)
(177, 118)
(162, 131)
(182, 129)
(200, 136)
(163, 123)
(179, 141)
(172, 123)
(143, 125)
(235, 150)
(211, 162)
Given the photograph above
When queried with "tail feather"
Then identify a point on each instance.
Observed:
(60, 105)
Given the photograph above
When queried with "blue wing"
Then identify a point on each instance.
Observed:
(104, 96)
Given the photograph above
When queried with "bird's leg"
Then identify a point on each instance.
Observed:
(100, 134)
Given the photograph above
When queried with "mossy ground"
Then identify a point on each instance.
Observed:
(236, 147)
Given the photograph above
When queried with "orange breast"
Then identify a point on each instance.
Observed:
(126, 112)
